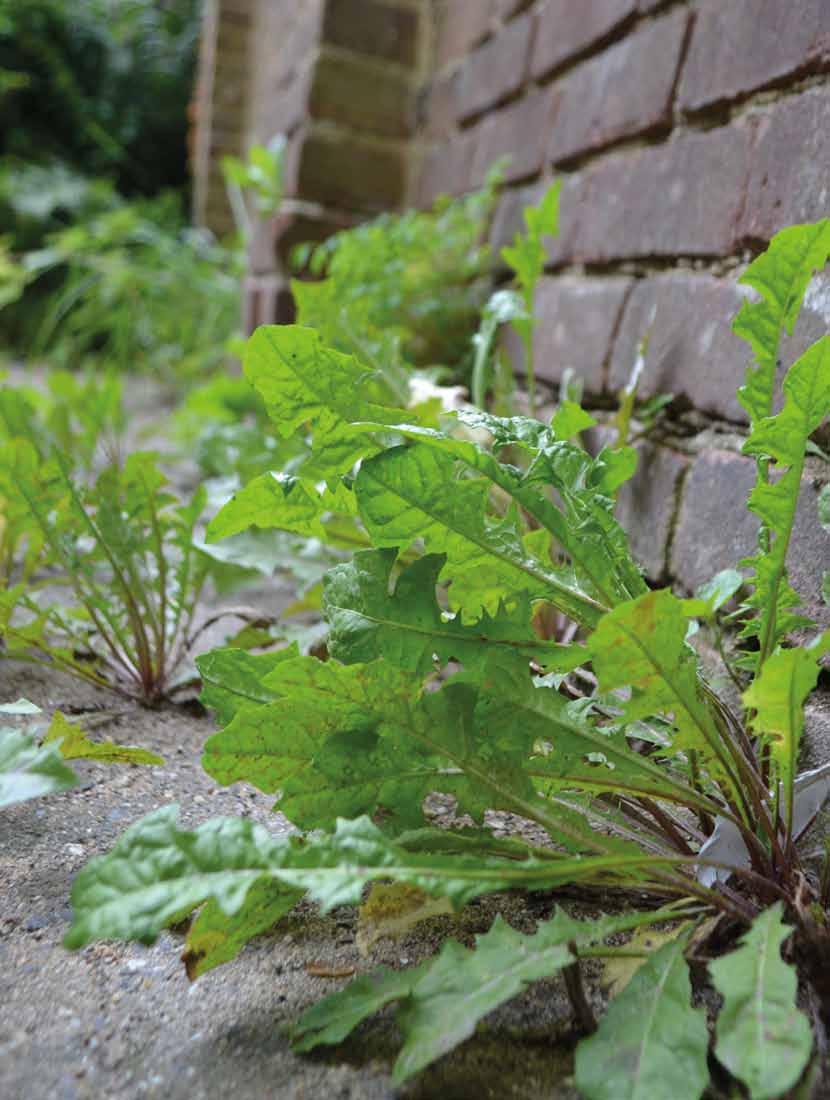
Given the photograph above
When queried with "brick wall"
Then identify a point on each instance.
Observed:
(685, 132)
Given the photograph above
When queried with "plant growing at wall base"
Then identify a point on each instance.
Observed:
(616, 746)
(403, 290)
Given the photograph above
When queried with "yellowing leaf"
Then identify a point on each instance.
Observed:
(75, 745)
(618, 970)
(392, 910)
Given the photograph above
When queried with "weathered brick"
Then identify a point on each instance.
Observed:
(283, 109)
(809, 553)
(446, 169)
(681, 198)
(266, 300)
(495, 70)
(625, 91)
(576, 321)
(646, 506)
(262, 247)
(506, 9)
(567, 28)
(574, 208)
(519, 131)
(459, 27)
(285, 52)
(789, 180)
(368, 27)
(746, 44)
(692, 352)
(508, 219)
(439, 105)
(295, 229)
(715, 529)
(339, 168)
(371, 99)
(813, 321)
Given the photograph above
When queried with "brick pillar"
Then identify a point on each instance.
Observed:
(220, 106)
(340, 79)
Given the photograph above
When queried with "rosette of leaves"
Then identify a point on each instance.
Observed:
(81, 415)
(108, 576)
(615, 746)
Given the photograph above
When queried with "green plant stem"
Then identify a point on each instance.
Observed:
(530, 367)
(778, 552)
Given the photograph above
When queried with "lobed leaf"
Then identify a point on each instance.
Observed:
(303, 382)
(233, 678)
(780, 275)
(762, 1037)
(369, 618)
(277, 501)
(443, 1000)
(651, 1044)
(642, 645)
(777, 697)
(157, 872)
(783, 439)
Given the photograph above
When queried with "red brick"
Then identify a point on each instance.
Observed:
(446, 170)
(574, 208)
(367, 98)
(569, 27)
(520, 131)
(284, 54)
(459, 27)
(508, 219)
(341, 169)
(790, 176)
(282, 110)
(576, 320)
(809, 553)
(266, 300)
(439, 106)
(714, 500)
(495, 70)
(741, 45)
(681, 198)
(692, 352)
(714, 529)
(625, 91)
(646, 505)
(368, 27)
(506, 9)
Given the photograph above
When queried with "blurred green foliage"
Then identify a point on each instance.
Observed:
(102, 85)
(403, 290)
